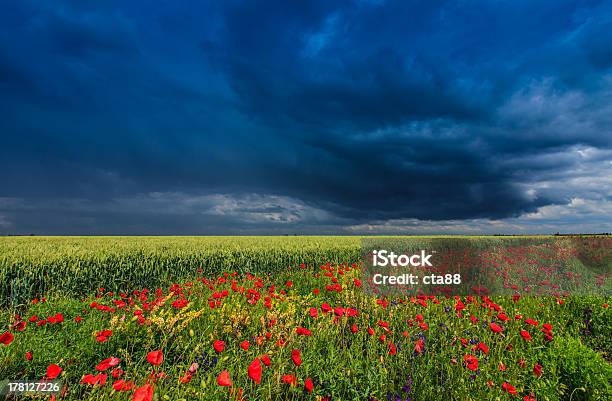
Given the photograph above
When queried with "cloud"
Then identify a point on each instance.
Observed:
(4, 223)
(316, 116)
(223, 214)
(578, 208)
(577, 216)
(169, 213)
(247, 209)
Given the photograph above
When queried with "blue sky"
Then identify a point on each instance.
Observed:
(350, 117)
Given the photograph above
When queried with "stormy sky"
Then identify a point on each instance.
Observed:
(348, 117)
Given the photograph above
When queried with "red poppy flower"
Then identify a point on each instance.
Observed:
(419, 346)
(496, 328)
(503, 317)
(509, 388)
(92, 380)
(117, 373)
(295, 355)
(6, 338)
(122, 385)
(155, 357)
(144, 393)
(89, 379)
(245, 345)
(303, 331)
(290, 379)
(53, 371)
(102, 336)
(265, 359)
(186, 379)
(108, 363)
(118, 385)
(308, 385)
(180, 303)
(484, 348)
(313, 312)
(537, 370)
(28, 356)
(219, 346)
(224, 379)
(255, 370)
(471, 362)
(354, 328)
(525, 334)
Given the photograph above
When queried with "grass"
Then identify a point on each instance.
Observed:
(421, 356)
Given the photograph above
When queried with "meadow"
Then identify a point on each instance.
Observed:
(287, 318)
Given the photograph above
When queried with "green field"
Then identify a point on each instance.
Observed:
(30, 266)
(76, 301)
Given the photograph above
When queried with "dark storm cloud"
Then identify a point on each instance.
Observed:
(355, 76)
(310, 117)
